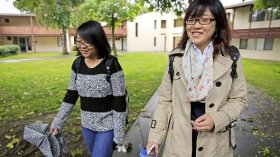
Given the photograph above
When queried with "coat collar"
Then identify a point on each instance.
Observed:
(221, 66)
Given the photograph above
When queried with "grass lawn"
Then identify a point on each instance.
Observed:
(264, 75)
(36, 89)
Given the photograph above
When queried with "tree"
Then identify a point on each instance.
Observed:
(113, 12)
(177, 6)
(264, 4)
(53, 13)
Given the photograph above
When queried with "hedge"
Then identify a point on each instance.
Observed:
(6, 50)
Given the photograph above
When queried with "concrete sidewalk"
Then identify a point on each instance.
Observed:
(257, 131)
(138, 133)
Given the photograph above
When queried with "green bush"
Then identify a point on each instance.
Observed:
(6, 50)
(14, 49)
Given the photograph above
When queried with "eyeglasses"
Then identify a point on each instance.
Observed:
(202, 21)
(84, 43)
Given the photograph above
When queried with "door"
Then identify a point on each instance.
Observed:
(22, 44)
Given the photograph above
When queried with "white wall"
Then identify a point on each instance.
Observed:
(241, 19)
(47, 44)
(147, 33)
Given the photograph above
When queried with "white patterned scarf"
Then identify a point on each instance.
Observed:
(199, 74)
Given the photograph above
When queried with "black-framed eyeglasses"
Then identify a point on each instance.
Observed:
(202, 21)
(84, 43)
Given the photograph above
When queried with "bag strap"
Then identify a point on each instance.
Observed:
(108, 64)
(234, 56)
(77, 64)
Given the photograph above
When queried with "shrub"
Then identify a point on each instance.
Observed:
(14, 49)
(6, 50)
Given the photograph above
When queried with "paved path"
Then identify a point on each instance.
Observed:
(34, 59)
(257, 131)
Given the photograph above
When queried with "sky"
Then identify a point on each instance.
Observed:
(6, 6)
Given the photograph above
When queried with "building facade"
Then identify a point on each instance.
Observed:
(255, 32)
(154, 32)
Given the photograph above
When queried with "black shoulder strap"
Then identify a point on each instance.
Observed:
(234, 56)
(170, 66)
(77, 65)
(108, 64)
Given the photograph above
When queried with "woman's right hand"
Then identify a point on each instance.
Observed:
(154, 150)
(54, 131)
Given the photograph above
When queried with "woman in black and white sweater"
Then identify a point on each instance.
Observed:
(103, 103)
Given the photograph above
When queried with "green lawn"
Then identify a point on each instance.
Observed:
(264, 75)
(33, 88)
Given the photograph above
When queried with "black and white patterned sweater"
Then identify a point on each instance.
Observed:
(102, 103)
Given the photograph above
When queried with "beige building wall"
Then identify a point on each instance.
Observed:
(45, 44)
(15, 21)
(151, 36)
(241, 18)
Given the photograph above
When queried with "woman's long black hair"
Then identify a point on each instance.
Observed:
(221, 37)
(93, 33)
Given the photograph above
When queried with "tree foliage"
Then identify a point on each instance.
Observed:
(52, 13)
(177, 6)
(263, 4)
(113, 12)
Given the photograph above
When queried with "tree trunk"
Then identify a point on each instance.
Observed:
(113, 36)
(64, 42)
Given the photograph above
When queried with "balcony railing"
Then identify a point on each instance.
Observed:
(43, 31)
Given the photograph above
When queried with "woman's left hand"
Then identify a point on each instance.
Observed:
(203, 123)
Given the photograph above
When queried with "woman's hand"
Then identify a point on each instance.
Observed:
(54, 131)
(154, 150)
(203, 123)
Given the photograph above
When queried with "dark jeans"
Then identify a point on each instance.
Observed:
(197, 109)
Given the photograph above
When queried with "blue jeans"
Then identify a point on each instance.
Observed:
(99, 143)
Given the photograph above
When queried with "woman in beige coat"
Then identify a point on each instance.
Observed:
(197, 110)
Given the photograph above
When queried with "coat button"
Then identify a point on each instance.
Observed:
(218, 84)
(200, 149)
(177, 73)
(211, 105)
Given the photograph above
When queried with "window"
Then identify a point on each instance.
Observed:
(155, 41)
(268, 44)
(243, 43)
(258, 15)
(7, 20)
(155, 24)
(136, 29)
(260, 43)
(178, 22)
(176, 41)
(9, 38)
(163, 23)
(251, 44)
(15, 40)
(276, 14)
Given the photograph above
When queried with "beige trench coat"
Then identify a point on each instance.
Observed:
(227, 100)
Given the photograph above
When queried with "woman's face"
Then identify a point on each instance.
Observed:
(200, 33)
(87, 50)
